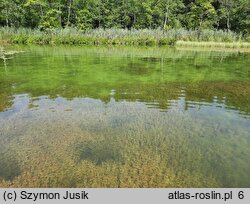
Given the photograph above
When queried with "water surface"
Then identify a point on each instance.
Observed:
(124, 117)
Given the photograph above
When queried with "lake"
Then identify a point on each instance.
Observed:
(124, 117)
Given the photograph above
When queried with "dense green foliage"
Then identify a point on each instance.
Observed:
(137, 14)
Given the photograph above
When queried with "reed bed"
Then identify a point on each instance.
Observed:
(142, 37)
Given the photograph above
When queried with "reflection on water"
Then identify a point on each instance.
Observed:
(124, 117)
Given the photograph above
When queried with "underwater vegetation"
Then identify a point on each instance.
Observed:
(124, 145)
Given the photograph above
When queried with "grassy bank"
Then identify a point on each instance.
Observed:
(237, 44)
(146, 37)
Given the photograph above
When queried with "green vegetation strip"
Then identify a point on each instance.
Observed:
(213, 44)
(143, 37)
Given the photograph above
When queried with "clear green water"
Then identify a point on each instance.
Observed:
(124, 117)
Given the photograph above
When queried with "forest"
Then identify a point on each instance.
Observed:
(83, 15)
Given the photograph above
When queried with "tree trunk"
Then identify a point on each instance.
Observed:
(60, 16)
(41, 9)
(228, 21)
(7, 17)
(7, 22)
(200, 28)
(69, 12)
(99, 17)
(166, 17)
(134, 21)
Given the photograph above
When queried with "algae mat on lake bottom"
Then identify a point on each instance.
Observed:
(124, 117)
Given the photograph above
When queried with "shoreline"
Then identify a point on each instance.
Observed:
(185, 46)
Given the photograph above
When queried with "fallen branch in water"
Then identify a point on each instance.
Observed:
(6, 55)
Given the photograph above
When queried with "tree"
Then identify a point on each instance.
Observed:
(170, 11)
(12, 12)
(139, 14)
(85, 13)
(50, 20)
(70, 2)
(226, 7)
(240, 20)
(202, 14)
(40, 4)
